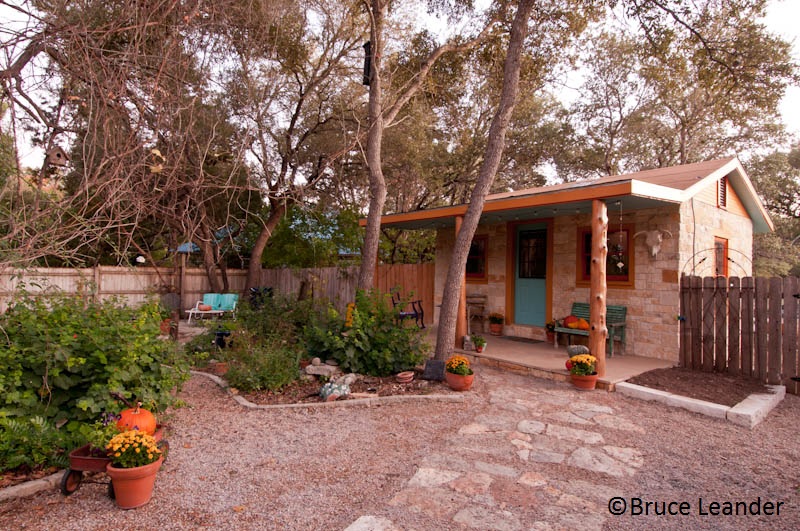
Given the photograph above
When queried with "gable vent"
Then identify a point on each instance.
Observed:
(722, 192)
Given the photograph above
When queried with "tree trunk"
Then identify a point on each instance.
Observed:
(276, 212)
(598, 331)
(377, 183)
(494, 150)
(209, 261)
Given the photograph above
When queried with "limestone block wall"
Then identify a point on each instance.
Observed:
(653, 299)
(700, 224)
(495, 285)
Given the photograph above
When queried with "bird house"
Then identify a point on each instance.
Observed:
(57, 157)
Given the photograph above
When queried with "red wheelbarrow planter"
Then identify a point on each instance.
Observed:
(82, 460)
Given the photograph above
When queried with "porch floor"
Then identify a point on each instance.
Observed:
(543, 360)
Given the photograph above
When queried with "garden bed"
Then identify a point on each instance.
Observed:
(719, 388)
(304, 391)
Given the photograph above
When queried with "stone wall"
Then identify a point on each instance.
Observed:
(652, 300)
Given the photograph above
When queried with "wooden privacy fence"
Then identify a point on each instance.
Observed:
(338, 284)
(136, 284)
(747, 326)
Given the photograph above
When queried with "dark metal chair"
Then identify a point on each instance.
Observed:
(414, 312)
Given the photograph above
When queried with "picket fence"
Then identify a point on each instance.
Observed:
(748, 326)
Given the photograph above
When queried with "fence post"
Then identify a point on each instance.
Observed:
(708, 323)
(775, 317)
(762, 297)
(748, 324)
(734, 326)
(721, 324)
(695, 318)
(791, 320)
(685, 337)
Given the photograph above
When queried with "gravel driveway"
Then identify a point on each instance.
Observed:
(519, 453)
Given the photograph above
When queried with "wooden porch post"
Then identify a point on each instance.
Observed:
(598, 332)
(461, 319)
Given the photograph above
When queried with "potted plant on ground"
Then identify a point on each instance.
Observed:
(478, 341)
(496, 320)
(582, 369)
(135, 460)
(458, 374)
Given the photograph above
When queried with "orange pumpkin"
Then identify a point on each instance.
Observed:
(137, 419)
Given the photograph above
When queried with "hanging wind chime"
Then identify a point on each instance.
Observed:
(618, 255)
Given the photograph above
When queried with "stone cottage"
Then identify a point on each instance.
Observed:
(529, 259)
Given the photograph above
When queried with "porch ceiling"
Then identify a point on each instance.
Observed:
(445, 217)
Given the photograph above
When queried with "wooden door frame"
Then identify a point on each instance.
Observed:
(511, 267)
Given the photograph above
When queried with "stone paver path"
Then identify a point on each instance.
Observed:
(536, 455)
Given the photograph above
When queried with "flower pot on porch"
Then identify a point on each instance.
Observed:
(459, 382)
(133, 487)
(496, 329)
(584, 382)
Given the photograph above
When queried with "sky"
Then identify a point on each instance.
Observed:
(783, 18)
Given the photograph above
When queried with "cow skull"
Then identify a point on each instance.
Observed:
(653, 239)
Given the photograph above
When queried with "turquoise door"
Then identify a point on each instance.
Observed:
(530, 292)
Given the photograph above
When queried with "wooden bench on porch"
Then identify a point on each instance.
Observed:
(615, 322)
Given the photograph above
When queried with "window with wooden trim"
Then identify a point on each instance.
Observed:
(720, 257)
(477, 259)
(722, 192)
(619, 260)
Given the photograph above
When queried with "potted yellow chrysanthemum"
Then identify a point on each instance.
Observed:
(135, 460)
(582, 369)
(458, 374)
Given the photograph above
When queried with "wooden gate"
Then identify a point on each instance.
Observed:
(747, 326)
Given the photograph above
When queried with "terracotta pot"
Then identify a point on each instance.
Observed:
(496, 329)
(133, 487)
(586, 383)
(165, 326)
(458, 382)
(551, 337)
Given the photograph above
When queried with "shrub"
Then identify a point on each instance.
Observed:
(62, 355)
(370, 339)
(276, 315)
(34, 442)
(265, 363)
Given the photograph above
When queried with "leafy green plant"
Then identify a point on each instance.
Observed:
(277, 315)
(61, 355)
(257, 364)
(34, 442)
(370, 339)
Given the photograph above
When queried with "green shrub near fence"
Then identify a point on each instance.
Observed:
(369, 339)
(63, 354)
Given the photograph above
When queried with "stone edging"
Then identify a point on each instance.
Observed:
(748, 413)
(368, 402)
(32, 487)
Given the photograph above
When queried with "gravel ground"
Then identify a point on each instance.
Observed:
(309, 469)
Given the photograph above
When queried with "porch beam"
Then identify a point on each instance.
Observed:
(461, 318)
(598, 331)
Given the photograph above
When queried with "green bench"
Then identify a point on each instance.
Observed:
(615, 322)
